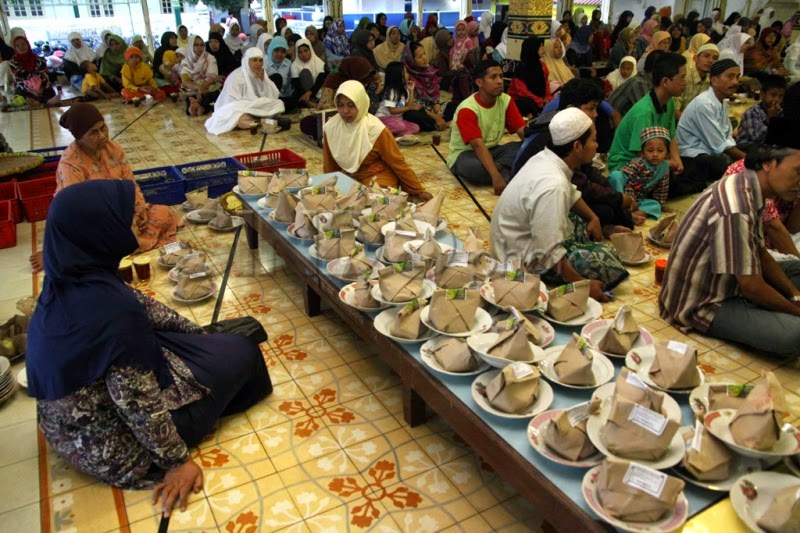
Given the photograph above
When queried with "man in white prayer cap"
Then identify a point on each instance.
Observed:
(542, 220)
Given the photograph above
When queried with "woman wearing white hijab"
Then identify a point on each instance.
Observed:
(256, 31)
(248, 94)
(501, 49)
(308, 74)
(234, 42)
(618, 77)
(76, 54)
(199, 73)
(360, 145)
(734, 45)
(485, 26)
(792, 61)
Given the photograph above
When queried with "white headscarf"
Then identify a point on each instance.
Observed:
(254, 35)
(351, 143)
(502, 48)
(102, 47)
(615, 78)
(731, 46)
(262, 41)
(256, 88)
(234, 42)
(314, 65)
(199, 68)
(485, 26)
(78, 55)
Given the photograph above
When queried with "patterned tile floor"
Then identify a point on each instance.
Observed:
(328, 450)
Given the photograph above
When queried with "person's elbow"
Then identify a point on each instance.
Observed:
(750, 287)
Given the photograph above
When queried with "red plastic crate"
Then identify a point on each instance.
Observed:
(8, 191)
(36, 196)
(271, 160)
(8, 229)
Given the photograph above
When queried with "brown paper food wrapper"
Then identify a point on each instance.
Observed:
(533, 333)
(712, 461)
(393, 251)
(574, 365)
(285, 212)
(473, 242)
(512, 341)
(192, 264)
(454, 355)
(722, 396)
(625, 438)
(783, 514)
(172, 259)
(222, 220)
(429, 211)
(629, 386)
(394, 194)
(335, 220)
(757, 423)
(629, 246)
(429, 248)
(629, 503)
(402, 282)
(362, 294)
(666, 229)
(356, 263)
(369, 229)
(515, 389)
(335, 244)
(406, 223)
(672, 369)
(456, 276)
(569, 301)
(253, 182)
(198, 197)
(409, 322)
(322, 199)
(356, 200)
(568, 441)
(303, 227)
(453, 310)
(298, 178)
(389, 208)
(620, 337)
(209, 209)
(190, 288)
(517, 289)
(329, 182)
(276, 187)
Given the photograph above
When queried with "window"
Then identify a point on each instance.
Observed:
(19, 8)
(101, 8)
(36, 8)
(166, 6)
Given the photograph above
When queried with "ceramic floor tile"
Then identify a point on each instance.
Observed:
(62, 477)
(300, 440)
(264, 505)
(25, 488)
(232, 463)
(375, 374)
(18, 442)
(396, 448)
(340, 382)
(197, 517)
(22, 519)
(268, 412)
(21, 408)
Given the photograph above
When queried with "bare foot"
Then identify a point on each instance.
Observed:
(36, 262)
(194, 106)
(609, 230)
(54, 100)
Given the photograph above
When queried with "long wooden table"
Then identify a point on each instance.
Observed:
(554, 490)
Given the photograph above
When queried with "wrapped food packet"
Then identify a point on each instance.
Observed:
(362, 294)
(276, 187)
(303, 228)
(517, 289)
(393, 251)
(783, 514)
(708, 459)
(253, 181)
(566, 433)
(512, 340)
(629, 246)
(636, 432)
(172, 252)
(409, 322)
(574, 365)
(191, 288)
(334, 244)
(402, 282)
(634, 493)
(197, 198)
(453, 310)
(666, 229)
(429, 211)
(675, 366)
(629, 386)
(757, 423)
(321, 199)
(624, 331)
(515, 389)
(286, 210)
(569, 301)
(369, 228)
(453, 355)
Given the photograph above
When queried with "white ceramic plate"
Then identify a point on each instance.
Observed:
(22, 377)
(412, 246)
(593, 311)
(482, 322)
(408, 140)
(248, 195)
(643, 261)
(262, 203)
(193, 300)
(336, 269)
(235, 223)
(186, 206)
(642, 369)
(698, 398)
(427, 292)
(379, 255)
(422, 227)
(384, 321)
(602, 368)
(752, 495)
(346, 294)
(271, 217)
(669, 407)
(481, 342)
(430, 360)
(672, 521)
(293, 235)
(718, 423)
(487, 292)
(660, 244)
(5, 366)
(595, 331)
(673, 456)
(197, 218)
(541, 404)
(536, 438)
(173, 273)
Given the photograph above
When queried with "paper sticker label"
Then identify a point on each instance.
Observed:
(679, 347)
(356, 250)
(508, 266)
(634, 380)
(698, 436)
(416, 257)
(566, 289)
(393, 190)
(456, 294)
(367, 273)
(738, 391)
(578, 413)
(458, 258)
(405, 233)
(645, 479)
(649, 420)
(197, 275)
(515, 314)
(172, 247)
(521, 370)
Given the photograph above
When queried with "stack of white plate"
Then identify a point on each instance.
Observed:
(6, 380)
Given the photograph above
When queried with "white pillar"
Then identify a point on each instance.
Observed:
(466, 8)
(420, 22)
(148, 31)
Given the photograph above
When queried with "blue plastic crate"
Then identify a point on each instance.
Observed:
(51, 155)
(219, 175)
(162, 185)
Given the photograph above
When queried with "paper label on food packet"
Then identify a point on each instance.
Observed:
(676, 346)
(197, 275)
(405, 232)
(566, 289)
(645, 479)
(698, 436)
(172, 247)
(647, 419)
(635, 380)
(458, 258)
(383, 200)
(416, 257)
(578, 413)
(521, 370)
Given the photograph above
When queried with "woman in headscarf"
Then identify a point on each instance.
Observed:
(30, 75)
(103, 46)
(233, 41)
(363, 44)
(426, 89)
(577, 17)
(472, 30)
(200, 75)
(661, 41)
(624, 47)
(764, 56)
(113, 61)
(76, 54)
(501, 49)
(316, 45)
(431, 26)
(125, 386)
(678, 43)
(279, 70)
(255, 32)
(734, 47)
(169, 41)
(360, 145)
(390, 50)
(327, 25)
(336, 42)
(691, 23)
(579, 52)
(644, 38)
(442, 57)
(139, 43)
(183, 36)
(559, 71)
(698, 40)
(405, 29)
(623, 22)
(495, 36)
(380, 21)
(248, 94)
(649, 12)
(627, 69)
(485, 26)
(308, 74)
(530, 90)
(461, 46)
(792, 62)
(216, 47)
(137, 78)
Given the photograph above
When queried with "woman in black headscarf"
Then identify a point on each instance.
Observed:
(169, 41)
(623, 22)
(363, 44)
(531, 88)
(215, 46)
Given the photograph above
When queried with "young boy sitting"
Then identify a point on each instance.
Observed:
(94, 85)
(646, 177)
(753, 128)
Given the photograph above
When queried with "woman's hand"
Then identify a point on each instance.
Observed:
(420, 198)
(440, 124)
(176, 486)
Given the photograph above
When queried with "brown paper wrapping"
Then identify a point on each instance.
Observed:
(574, 365)
(322, 199)
(409, 322)
(222, 220)
(569, 301)
(356, 200)
(519, 293)
(722, 396)
(209, 209)
(399, 284)
(783, 514)
(712, 462)
(389, 208)
(191, 264)
(627, 439)
(512, 342)
(473, 242)
(253, 182)
(285, 212)
(757, 423)
(172, 259)
(191, 288)
(328, 182)
(453, 310)
(276, 187)
(296, 179)
(303, 227)
(666, 229)
(645, 397)
(628, 503)
(455, 277)
(429, 248)
(356, 263)
(333, 245)
(629, 246)
(198, 197)
(674, 370)
(335, 220)
(369, 229)
(362, 294)
(568, 441)
(454, 355)
(511, 395)
(429, 211)
(393, 251)
(620, 337)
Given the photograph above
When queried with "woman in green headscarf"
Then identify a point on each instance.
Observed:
(147, 57)
(113, 61)
(362, 25)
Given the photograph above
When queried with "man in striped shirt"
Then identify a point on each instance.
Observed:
(720, 279)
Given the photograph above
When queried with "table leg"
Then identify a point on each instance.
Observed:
(252, 236)
(413, 407)
(312, 301)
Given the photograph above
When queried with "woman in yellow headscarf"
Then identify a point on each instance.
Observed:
(694, 44)
(560, 73)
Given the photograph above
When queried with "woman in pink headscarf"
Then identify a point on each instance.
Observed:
(472, 30)
(461, 47)
(643, 41)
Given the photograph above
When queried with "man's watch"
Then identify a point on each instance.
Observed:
(795, 299)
